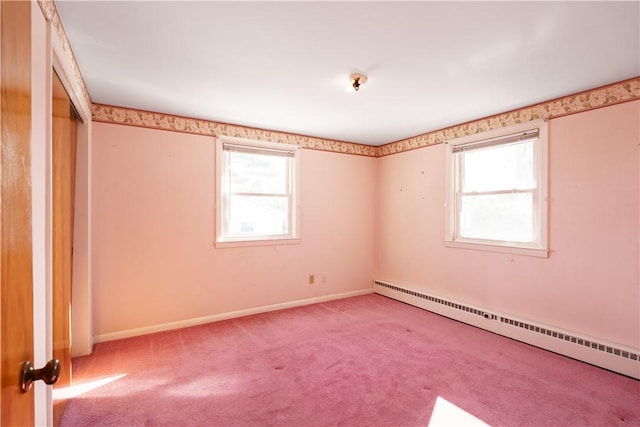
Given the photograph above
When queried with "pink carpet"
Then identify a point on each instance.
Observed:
(362, 361)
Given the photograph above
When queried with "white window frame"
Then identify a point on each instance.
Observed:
(539, 246)
(223, 238)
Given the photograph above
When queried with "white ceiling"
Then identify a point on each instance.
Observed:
(284, 65)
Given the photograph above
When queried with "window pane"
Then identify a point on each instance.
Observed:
(258, 173)
(502, 167)
(254, 215)
(504, 217)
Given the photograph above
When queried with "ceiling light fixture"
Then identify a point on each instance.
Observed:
(357, 80)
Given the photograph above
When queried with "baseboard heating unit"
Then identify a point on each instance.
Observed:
(615, 357)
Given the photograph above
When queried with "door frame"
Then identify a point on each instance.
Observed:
(50, 50)
(81, 319)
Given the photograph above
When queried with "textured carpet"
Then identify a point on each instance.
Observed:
(359, 361)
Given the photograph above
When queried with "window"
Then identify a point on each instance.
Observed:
(496, 190)
(257, 191)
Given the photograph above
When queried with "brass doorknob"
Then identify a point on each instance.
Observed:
(49, 374)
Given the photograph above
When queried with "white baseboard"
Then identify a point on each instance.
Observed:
(223, 316)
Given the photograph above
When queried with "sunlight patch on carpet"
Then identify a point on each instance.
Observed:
(85, 387)
(446, 414)
(211, 385)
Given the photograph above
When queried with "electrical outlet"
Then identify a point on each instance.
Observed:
(312, 279)
(324, 278)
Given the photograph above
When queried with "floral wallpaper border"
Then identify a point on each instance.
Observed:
(615, 93)
(132, 117)
(612, 94)
(50, 13)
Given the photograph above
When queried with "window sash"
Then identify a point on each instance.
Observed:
(491, 234)
(228, 194)
(288, 189)
(515, 183)
(459, 170)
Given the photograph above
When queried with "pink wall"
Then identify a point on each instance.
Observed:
(589, 284)
(154, 259)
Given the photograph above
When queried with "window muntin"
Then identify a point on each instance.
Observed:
(497, 188)
(257, 191)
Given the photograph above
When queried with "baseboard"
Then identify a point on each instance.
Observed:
(223, 316)
(84, 351)
(596, 351)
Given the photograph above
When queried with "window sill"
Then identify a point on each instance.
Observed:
(512, 250)
(257, 242)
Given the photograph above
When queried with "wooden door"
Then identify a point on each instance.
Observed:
(64, 139)
(16, 255)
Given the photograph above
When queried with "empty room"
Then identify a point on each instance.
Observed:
(314, 213)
